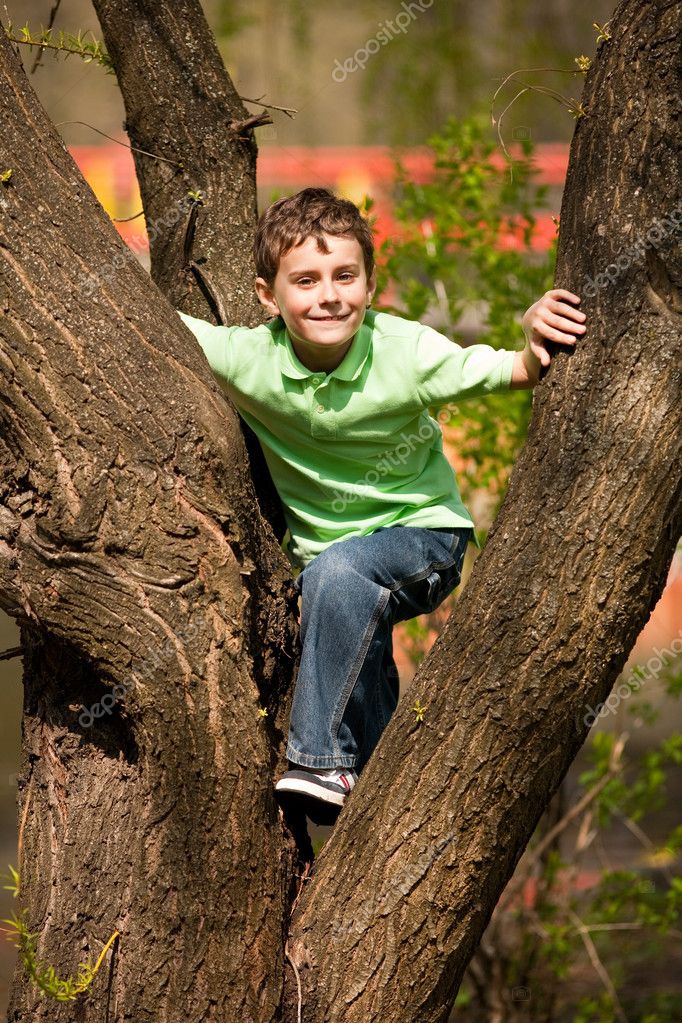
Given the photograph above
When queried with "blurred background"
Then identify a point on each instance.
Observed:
(372, 81)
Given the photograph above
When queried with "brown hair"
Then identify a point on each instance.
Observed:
(313, 212)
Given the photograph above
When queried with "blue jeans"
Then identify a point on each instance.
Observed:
(351, 596)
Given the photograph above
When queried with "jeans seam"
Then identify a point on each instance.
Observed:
(421, 575)
(355, 671)
(322, 761)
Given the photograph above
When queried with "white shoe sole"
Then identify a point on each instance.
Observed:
(304, 788)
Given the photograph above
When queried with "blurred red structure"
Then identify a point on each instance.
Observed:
(352, 171)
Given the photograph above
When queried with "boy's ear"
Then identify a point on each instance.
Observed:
(266, 296)
(371, 287)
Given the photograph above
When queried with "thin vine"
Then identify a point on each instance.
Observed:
(574, 106)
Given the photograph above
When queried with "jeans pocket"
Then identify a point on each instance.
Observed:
(446, 578)
(434, 584)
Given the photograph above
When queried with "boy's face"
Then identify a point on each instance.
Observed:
(322, 298)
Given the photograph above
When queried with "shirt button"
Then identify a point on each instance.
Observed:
(320, 408)
(316, 381)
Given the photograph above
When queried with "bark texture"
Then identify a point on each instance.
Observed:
(577, 558)
(133, 554)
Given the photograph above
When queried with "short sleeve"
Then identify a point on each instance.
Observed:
(214, 341)
(447, 372)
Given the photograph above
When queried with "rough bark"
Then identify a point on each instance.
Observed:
(576, 560)
(182, 107)
(133, 553)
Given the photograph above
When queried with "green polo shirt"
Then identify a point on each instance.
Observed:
(354, 449)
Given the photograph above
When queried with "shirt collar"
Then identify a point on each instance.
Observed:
(349, 369)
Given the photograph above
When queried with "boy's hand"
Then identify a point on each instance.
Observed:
(551, 318)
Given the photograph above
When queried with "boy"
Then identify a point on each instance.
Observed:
(337, 395)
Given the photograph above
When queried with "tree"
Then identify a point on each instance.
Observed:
(133, 553)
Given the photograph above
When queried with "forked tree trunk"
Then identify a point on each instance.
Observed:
(124, 527)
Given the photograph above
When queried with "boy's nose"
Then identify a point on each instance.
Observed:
(328, 294)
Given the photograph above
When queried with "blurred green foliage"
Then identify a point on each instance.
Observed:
(463, 246)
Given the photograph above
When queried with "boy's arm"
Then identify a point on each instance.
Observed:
(213, 340)
(551, 318)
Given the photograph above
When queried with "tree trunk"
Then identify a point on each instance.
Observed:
(576, 560)
(181, 106)
(133, 554)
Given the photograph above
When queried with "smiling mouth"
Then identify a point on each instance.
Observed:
(329, 319)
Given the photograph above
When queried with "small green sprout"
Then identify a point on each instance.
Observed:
(262, 712)
(63, 43)
(197, 197)
(6, 175)
(13, 879)
(578, 110)
(419, 711)
(603, 31)
(584, 63)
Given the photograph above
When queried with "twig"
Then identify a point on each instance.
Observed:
(552, 93)
(133, 149)
(289, 111)
(20, 839)
(13, 651)
(526, 70)
(625, 925)
(255, 121)
(126, 220)
(635, 829)
(93, 53)
(104, 951)
(528, 88)
(599, 967)
(39, 54)
(498, 122)
(303, 879)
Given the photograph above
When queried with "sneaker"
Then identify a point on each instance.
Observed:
(319, 792)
